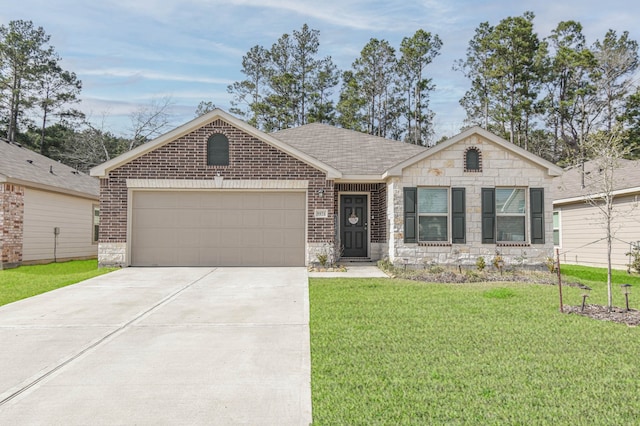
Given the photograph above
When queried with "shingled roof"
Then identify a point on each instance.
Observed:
(569, 185)
(351, 152)
(25, 167)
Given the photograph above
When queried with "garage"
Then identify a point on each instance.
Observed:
(218, 228)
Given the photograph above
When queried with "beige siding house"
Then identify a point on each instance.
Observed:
(219, 192)
(48, 211)
(579, 231)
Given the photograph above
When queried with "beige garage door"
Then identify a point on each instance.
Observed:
(199, 228)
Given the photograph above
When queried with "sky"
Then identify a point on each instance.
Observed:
(130, 53)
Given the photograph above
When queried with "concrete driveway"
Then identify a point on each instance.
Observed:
(154, 346)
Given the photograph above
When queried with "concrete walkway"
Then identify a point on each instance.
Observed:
(160, 346)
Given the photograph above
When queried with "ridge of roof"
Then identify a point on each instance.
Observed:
(23, 166)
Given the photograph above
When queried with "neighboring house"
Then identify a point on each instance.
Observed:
(579, 231)
(48, 211)
(217, 191)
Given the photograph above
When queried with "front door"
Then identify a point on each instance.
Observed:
(353, 225)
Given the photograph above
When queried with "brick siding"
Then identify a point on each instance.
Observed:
(11, 222)
(186, 158)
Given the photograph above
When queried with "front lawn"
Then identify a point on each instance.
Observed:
(388, 351)
(27, 281)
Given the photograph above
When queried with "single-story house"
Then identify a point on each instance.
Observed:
(217, 191)
(578, 225)
(48, 211)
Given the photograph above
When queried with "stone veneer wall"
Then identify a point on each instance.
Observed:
(11, 222)
(446, 169)
(186, 158)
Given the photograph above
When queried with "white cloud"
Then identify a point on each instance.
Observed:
(150, 75)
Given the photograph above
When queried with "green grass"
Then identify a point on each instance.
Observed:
(395, 352)
(588, 275)
(27, 281)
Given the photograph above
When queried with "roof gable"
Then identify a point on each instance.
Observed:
(551, 168)
(103, 169)
(28, 168)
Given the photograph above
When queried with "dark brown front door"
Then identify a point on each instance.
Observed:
(353, 225)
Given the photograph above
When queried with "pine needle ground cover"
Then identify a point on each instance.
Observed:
(400, 352)
(27, 281)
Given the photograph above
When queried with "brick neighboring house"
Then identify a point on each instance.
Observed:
(217, 191)
(48, 211)
(578, 225)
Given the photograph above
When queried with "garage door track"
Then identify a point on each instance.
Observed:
(160, 346)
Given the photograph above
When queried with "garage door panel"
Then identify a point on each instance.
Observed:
(252, 219)
(189, 237)
(273, 219)
(293, 202)
(251, 238)
(210, 238)
(293, 219)
(200, 228)
(291, 237)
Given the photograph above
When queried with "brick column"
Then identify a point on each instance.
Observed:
(11, 221)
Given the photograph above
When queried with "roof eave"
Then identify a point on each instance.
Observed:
(585, 198)
(355, 178)
(49, 188)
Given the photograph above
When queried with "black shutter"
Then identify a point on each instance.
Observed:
(410, 215)
(488, 215)
(537, 215)
(458, 216)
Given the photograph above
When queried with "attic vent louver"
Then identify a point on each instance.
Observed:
(30, 161)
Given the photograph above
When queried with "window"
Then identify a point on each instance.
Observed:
(96, 224)
(472, 160)
(218, 150)
(556, 228)
(428, 216)
(504, 212)
(510, 214)
(433, 213)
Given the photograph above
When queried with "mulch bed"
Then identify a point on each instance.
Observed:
(599, 312)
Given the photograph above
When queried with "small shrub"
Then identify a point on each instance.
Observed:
(480, 263)
(323, 258)
(551, 264)
(634, 259)
(498, 261)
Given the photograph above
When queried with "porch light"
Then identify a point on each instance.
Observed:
(320, 192)
(585, 294)
(625, 291)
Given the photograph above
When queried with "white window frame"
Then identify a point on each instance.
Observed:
(559, 228)
(95, 221)
(447, 238)
(524, 215)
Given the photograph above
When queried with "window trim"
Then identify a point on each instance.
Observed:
(447, 215)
